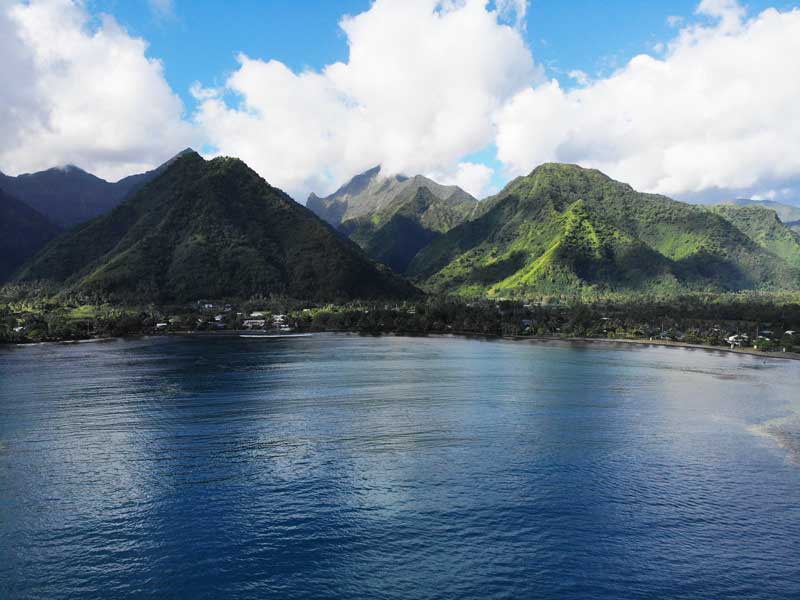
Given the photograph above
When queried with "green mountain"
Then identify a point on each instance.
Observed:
(765, 228)
(69, 196)
(23, 232)
(794, 226)
(565, 228)
(211, 230)
(392, 219)
(786, 212)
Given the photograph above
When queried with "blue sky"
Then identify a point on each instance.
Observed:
(696, 99)
(201, 38)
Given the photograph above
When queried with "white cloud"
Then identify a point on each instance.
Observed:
(83, 92)
(417, 94)
(475, 178)
(427, 83)
(579, 77)
(718, 112)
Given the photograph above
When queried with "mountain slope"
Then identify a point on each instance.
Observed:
(371, 192)
(786, 212)
(392, 219)
(69, 196)
(23, 232)
(764, 227)
(394, 235)
(211, 229)
(564, 228)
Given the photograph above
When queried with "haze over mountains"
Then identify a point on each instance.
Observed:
(194, 228)
(68, 196)
(23, 232)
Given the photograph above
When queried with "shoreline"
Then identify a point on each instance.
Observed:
(666, 343)
(464, 334)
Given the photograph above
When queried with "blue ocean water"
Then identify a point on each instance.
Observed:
(342, 466)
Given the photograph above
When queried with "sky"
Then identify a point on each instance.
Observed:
(695, 99)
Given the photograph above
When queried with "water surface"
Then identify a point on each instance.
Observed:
(354, 467)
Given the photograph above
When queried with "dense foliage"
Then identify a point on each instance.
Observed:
(394, 235)
(393, 218)
(764, 227)
(764, 321)
(209, 229)
(568, 229)
(786, 212)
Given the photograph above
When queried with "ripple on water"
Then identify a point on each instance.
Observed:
(353, 467)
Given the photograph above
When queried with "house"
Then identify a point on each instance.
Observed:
(257, 314)
(254, 323)
(737, 339)
(161, 326)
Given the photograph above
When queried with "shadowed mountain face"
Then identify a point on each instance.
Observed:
(211, 229)
(763, 225)
(23, 232)
(70, 196)
(393, 218)
(564, 228)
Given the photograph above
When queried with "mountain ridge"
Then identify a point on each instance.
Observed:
(786, 212)
(566, 228)
(210, 229)
(393, 218)
(69, 195)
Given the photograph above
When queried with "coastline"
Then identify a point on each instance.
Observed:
(466, 334)
(571, 340)
(667, 343)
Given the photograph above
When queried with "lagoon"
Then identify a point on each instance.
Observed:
(341, 466)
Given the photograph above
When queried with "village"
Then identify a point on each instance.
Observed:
(735, 326)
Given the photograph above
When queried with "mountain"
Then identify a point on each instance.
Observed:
(211, 230)
(69, 196)
(393, 218)
(564, 228)
(23, 232)
(765, 228)
(370, 193)
(786, 212)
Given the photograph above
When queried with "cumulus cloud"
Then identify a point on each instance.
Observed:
(718, 114)
(417, 94)
(81, 91)
(475, 178)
